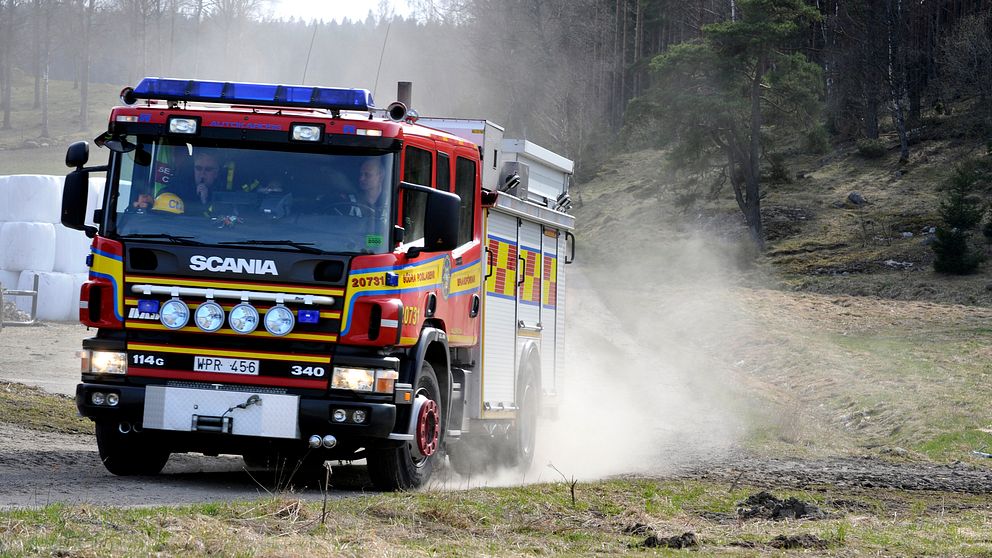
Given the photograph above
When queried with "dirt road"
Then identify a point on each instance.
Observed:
(42, 355)
(689, 411)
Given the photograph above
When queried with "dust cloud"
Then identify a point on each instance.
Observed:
(647, 387)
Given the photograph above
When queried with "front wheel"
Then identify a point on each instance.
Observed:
(410, 466)
(128, 453)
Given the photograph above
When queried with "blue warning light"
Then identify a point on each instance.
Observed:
(308, 316)
(331, 98)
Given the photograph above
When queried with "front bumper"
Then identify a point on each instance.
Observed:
(314, 415)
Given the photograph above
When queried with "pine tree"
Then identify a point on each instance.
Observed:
(960, 212)
(719, 92)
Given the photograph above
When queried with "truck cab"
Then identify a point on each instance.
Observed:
(281, 272)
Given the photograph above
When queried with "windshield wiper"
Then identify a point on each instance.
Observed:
(188, 240)
(301, 246)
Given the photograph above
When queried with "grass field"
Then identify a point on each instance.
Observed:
(607, 518)
(23, 149)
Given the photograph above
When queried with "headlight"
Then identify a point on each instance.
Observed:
(279, 320)
(175, 314)
(356, 379)
(243, 318)
(104, 362)
(209, 316)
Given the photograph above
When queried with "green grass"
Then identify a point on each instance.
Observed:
(538, 520)
(955, 444)
(33, 408)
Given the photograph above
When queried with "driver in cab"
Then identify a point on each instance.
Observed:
(191, 200)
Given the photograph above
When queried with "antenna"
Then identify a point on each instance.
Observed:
(381, 55)
(307, 64)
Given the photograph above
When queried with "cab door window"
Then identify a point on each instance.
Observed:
(417, 169)
(465, 188)
(443, 181)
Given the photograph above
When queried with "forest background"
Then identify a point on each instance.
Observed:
(731, 88)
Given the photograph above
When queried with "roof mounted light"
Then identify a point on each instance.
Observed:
(306, 132)
(183, 125)
(264, 94)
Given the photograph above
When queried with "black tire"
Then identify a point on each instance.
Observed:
(128, 454)
(471, 456)
(519, 448)
(398, 468)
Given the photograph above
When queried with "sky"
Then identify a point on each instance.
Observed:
(337, 10)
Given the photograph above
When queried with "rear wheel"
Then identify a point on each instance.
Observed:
(410, 466)
(130, 453)
(519, 447)
(471, 456)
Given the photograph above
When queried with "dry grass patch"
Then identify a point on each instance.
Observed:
(613, 517)
(33, 408)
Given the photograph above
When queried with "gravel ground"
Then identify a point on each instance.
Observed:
(43, 355)
(692, 439)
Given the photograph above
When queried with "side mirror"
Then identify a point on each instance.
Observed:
(440, 218)
(441, 221)
(78, 154)
(75, 193)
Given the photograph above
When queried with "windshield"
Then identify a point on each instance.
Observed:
(197, 194)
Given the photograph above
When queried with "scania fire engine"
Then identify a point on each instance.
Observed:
(285, 270)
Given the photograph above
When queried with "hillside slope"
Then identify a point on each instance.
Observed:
(840, 339)
(818, 241)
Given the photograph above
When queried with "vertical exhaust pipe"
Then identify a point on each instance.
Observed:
(404, 92)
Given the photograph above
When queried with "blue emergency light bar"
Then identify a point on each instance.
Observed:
(331, 98)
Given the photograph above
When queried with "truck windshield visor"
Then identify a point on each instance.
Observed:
(339, 203)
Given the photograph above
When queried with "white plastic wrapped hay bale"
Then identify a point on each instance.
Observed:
(34, 198)
(71, 249)
(5, 199)
(27, 246)
(77, 283)
(95, 199)
(55, 298)
(8, 279)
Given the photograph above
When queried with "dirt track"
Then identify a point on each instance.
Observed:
(693, 440)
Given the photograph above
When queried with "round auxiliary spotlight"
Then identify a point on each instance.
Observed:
(174, 314)
(243, 318)
(279, 320)
(396, 111)
(209, 316)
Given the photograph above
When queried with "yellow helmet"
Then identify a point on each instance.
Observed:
(169, 202)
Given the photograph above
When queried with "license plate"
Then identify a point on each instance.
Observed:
(225, 365)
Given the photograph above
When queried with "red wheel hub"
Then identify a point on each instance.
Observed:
(428, 428)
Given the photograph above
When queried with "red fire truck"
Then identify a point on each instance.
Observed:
(287, 271)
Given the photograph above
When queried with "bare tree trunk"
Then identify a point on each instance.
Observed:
(871, 116)
(196, 38)
(896, 73)
(47, 51)
(36, 51)
(173, 13)
(84, 79)
(6, 58)
(752, 171)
